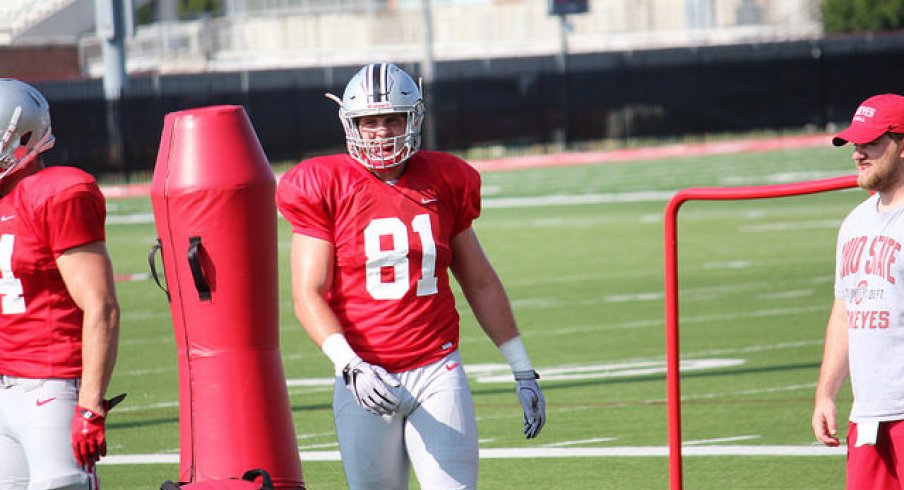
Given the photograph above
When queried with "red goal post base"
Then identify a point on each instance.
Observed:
(673, 376)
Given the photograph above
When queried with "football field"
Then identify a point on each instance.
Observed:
(580, 250)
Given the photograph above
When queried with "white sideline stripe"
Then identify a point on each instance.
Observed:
(578, 443)
(548, 452)
(137, 408)
(720, 439)
(577, 199)
(759, 391)
(485, 373)
(312, 436)
(318, 446)
(790, 226)
(134, 276)
(130, 219)
(309, 382)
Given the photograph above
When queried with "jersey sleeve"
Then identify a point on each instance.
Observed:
(470, 205)
(299, 198)
(74, 216)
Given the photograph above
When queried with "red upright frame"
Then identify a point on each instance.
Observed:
(673, 376)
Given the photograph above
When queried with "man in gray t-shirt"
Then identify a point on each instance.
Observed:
(865, 332)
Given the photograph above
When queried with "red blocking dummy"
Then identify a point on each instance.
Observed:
(212, 195)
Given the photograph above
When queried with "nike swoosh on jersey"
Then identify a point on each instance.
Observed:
(41, 403)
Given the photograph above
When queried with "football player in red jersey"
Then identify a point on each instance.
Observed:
(375, 234)
(59, 316)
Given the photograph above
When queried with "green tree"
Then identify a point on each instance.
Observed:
(195, 8)
(188, 9)
(839, 16)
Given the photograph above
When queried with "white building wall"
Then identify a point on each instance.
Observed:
(312, 36)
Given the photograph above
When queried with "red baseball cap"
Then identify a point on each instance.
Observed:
(876, 116)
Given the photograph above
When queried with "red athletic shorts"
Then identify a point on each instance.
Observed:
(879, 467)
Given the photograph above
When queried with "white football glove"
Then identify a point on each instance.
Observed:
(371, 386)
(532, 402)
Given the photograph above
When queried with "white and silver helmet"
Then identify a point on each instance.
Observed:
(24, 122)
(376, 89)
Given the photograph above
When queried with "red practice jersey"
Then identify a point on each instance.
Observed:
(391, 287)
(45, 214)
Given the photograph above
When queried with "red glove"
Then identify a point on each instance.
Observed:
(89, 436)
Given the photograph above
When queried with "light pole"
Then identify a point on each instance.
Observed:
(428, 68)
(562, 8)
(110, 26)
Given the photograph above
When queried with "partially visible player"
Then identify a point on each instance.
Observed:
(865, 332)
(376, 232)
(59, 316)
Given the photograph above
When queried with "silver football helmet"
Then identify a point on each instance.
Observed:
(24, 122)
(381, 88)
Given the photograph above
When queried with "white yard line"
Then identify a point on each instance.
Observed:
(703, 442)
(580, 442)
(758, 391)
(548, 452)
(577, 199)
(308, 447)
(130, 219)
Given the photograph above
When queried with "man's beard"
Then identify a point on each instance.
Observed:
(881, 179)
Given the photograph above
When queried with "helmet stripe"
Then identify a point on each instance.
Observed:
(373, 82)
(384, 85)
(369, 84)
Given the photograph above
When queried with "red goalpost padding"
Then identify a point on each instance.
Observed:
(673, 375)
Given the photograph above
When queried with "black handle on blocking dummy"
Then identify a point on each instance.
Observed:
(194, 261)
(152, 263)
